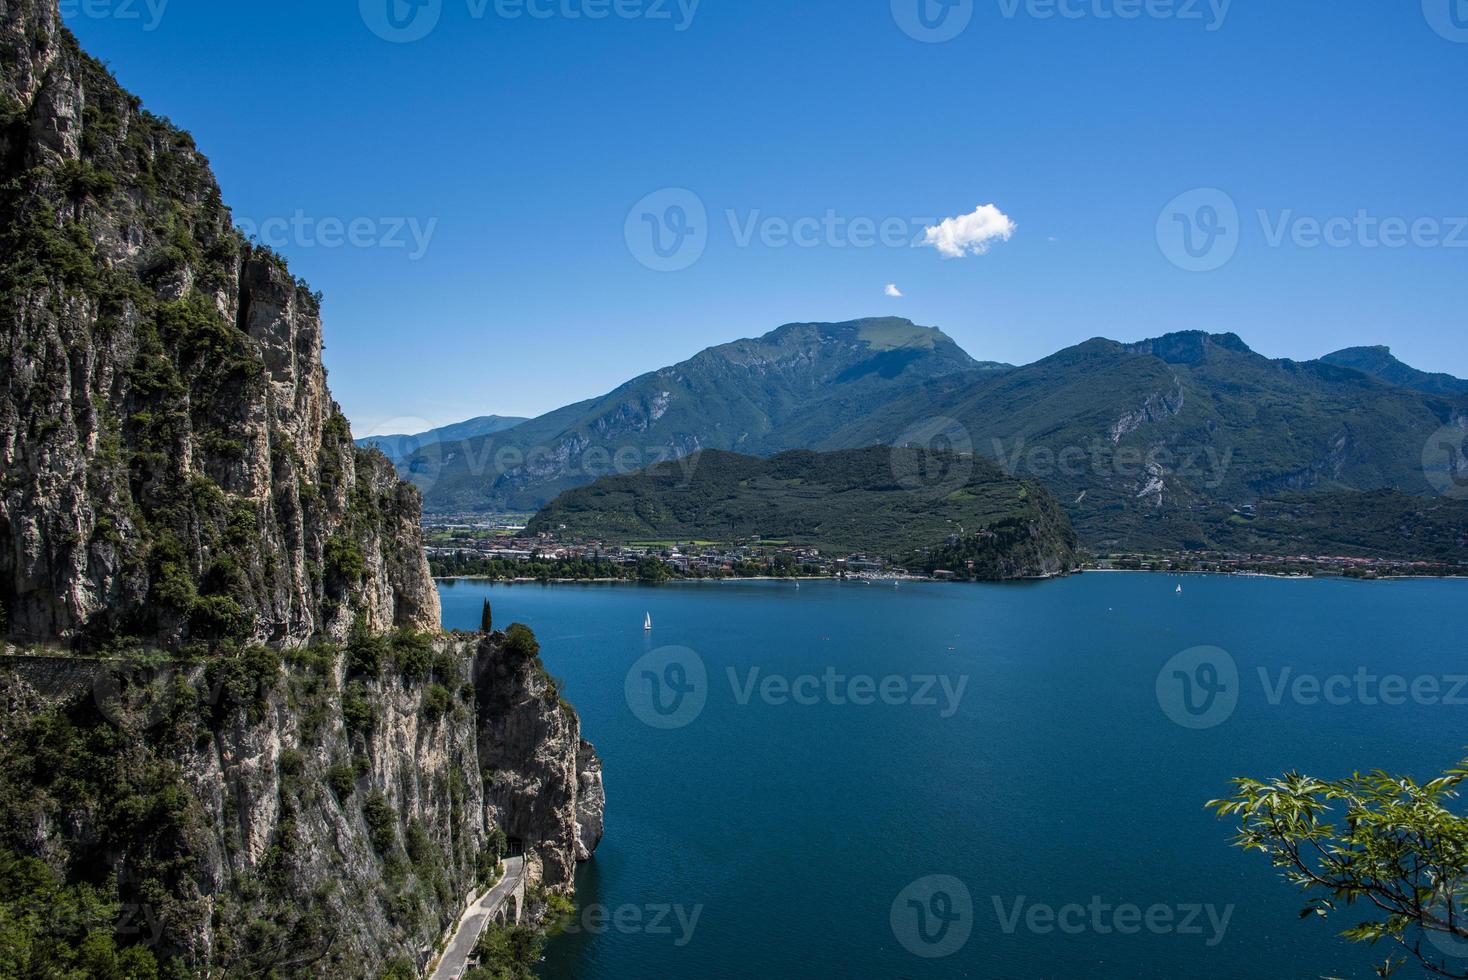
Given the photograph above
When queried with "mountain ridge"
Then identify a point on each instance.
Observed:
(1167, 430)
(1380, 363)
(401, 446)
(760, 395)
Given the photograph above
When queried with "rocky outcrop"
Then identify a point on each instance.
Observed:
(530, 749)
(1156, 408)
(591, 802)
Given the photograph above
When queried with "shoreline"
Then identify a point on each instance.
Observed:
(933, 581)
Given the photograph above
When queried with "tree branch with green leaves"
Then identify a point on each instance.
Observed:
(1380, 844)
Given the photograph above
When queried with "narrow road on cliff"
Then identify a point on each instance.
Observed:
(456, 956)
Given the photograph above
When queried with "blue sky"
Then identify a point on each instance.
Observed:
(512, 153)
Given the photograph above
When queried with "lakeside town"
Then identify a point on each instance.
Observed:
(476, 546)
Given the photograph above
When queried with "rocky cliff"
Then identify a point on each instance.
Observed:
(323, 812)
(174, 467)
(229, 713)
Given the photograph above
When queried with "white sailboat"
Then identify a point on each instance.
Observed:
(647, 624)
(1179, 590)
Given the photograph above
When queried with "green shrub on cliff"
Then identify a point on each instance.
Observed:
(382, 823)
(521, 644)
(51, 929)
(437, 702)
(342, 778)
(413, 655)
(507, 953)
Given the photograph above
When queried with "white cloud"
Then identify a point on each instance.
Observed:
(893, 291)
(970, 234)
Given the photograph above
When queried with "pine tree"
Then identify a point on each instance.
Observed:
(486, 619)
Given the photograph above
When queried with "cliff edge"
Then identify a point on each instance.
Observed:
(234, 735)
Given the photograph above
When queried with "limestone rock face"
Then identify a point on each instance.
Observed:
(228, 704)
(175, 469)
(360, 840)
(591, 803)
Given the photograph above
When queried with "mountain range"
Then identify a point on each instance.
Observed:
(400, 448)
(1147, 445)
(790, 389)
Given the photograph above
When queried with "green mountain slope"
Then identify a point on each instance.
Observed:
(879, 500)
(1379, 363)
(1376, 524)
(788, 389)
(1143, 443)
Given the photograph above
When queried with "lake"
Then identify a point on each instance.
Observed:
(973, 781)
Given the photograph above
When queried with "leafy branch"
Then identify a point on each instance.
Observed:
(1382, 843)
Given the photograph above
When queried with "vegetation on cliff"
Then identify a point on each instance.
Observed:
(175, 471)
(235, 742)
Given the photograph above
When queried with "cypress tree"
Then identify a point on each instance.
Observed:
(486, 619)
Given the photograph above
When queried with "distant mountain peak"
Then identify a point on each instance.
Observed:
(879, 333)
(1380, 363)
(1190, 346)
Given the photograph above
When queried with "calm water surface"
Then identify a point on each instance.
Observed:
(791, 830)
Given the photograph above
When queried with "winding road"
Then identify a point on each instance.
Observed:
(471, 926)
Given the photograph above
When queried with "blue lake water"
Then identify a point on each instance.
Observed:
(804, 830)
